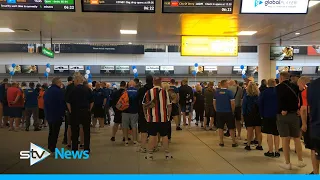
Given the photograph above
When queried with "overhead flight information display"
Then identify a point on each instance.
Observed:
(38, 5)
(198, 6)
(132, 6)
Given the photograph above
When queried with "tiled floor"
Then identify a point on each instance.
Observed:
(195, 152)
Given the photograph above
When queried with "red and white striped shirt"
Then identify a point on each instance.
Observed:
(160, 112)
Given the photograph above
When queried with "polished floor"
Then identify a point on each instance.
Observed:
(195, 152)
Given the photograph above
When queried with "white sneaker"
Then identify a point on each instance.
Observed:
(159, 144)
(301, 164)
(286, 166)
(126, 143)
(142, 150)
(135, 143)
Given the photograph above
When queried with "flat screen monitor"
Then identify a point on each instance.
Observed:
(283, 69)
(118, 6)
(17, 69)
(314, 50)
(122, 70)
(153, 70)
(166, 70)
(29, 69)
(274, 6)
(76, 69)
(296, 68)
(278, 53)
(199, 68)
(63, 69)
(107, 70)
(38, 5)
(198, 6)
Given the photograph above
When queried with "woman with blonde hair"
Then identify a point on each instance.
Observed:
(252, 119)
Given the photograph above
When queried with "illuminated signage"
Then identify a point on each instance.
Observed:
(274, 6)
(209, 46)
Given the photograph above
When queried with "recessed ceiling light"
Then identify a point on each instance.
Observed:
(313, 3)
(130, 43)
(128, 31)
(247, 33)
(297, 33)
(6, 30)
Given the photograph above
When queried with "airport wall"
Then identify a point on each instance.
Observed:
(149, 58)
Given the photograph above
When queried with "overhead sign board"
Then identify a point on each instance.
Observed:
(274, 6)
(198, 6)
(209, 46)
(132, 6)
(38, 5)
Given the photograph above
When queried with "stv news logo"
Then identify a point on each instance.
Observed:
(37, 154)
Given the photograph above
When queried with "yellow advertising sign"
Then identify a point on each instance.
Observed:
(209, 46)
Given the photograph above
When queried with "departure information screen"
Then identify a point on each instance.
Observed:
(198, 6)
(38, 5)
(133, 6)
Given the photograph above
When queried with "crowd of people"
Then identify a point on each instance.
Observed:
(284, 108)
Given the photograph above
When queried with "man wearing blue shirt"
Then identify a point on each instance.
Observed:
(130, 116)
(107, 93)
(98, 107)
(54, 107)
(314, 101)
(224, 104)
(31, 107)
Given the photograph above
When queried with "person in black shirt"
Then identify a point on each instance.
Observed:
(186, 101)
(67, 130)
(142, 122)
(263, 85)
(80, 103)
(118, 114)
(288, 121)
(100, 101)
(3, 101)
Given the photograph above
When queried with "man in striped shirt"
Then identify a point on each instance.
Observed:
(157, 110)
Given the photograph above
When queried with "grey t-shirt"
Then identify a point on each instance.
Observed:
(238, 95)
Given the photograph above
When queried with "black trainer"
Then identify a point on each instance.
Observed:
(277, 154)
(269, 154)
(254, 142)
(113, 139)
(37, 129)
(227, 134)
(221, 145)
(81, 146)
(27, 129)
(281, 149)
(196, 123)
(260, 148)
(235, 145)
(248, 148)
(178, 128)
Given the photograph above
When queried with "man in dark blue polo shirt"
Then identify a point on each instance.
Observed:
(314, 102)
(31, 107)
(224, 104)
(100, 101)
(54, 107)
(107, 92)
(80, 103)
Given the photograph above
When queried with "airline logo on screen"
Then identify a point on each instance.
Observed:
(257, 3)
(37, 154)
(275, 2)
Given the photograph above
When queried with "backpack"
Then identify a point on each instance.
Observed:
(123, 102)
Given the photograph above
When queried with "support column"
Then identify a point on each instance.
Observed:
(267, 68)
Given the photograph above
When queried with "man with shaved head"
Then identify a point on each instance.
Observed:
(130, 116)
(107, 93)
(15, 100)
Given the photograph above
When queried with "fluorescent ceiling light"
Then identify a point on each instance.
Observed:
(247, 33)
(6, 30)
(297, 33)
(130, 43)
(313, 3)
(128, 31)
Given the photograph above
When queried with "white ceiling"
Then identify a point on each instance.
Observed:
(158, 28)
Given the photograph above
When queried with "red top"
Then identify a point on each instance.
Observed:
(40, 99)
(12, 94)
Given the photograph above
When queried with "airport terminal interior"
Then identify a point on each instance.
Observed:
(193, 42)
